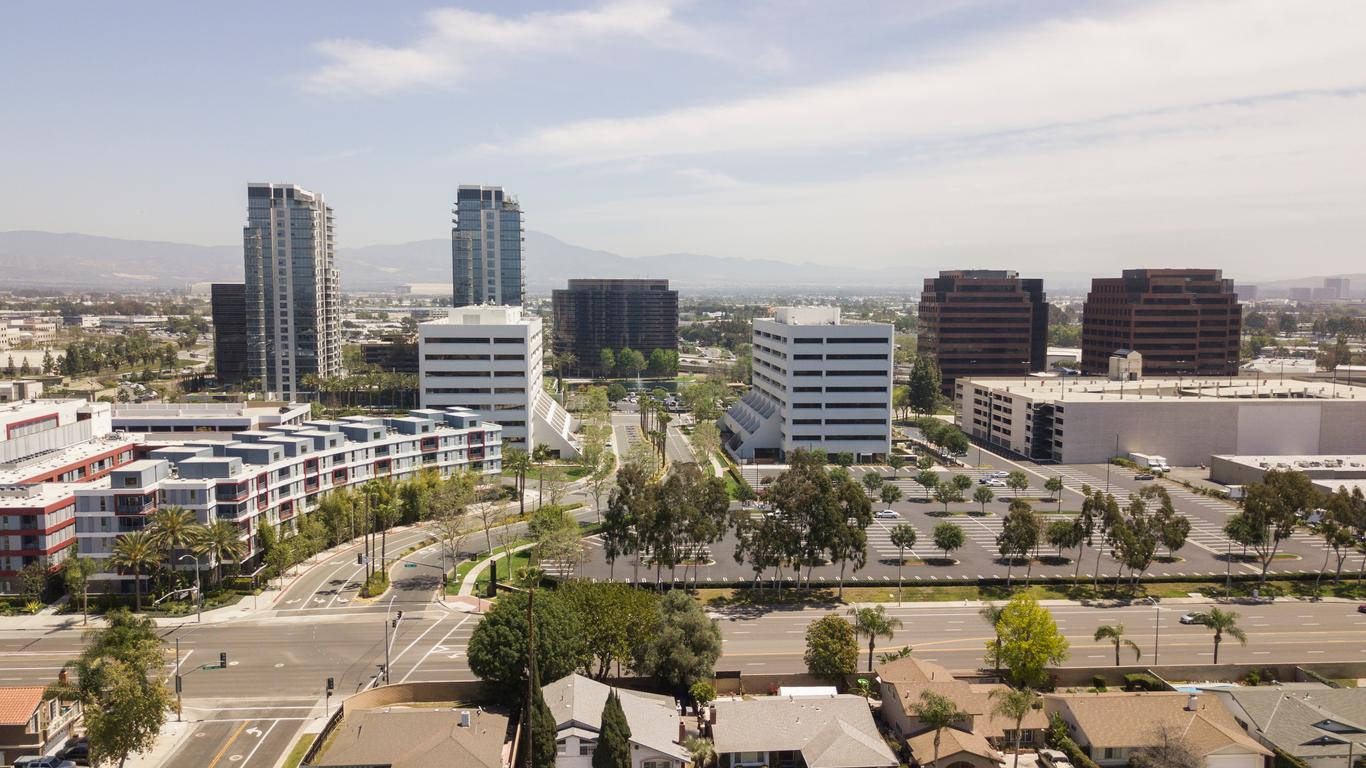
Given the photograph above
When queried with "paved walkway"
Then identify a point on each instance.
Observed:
(467, 584)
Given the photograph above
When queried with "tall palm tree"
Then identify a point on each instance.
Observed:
(938, 712)
(517, 462)
(219, 541)
(540, 455)
(991, 614)
(873, 623)
(1222, 622)
(135, 551)
(173, 528)
(1115, 634)
(1015, 703)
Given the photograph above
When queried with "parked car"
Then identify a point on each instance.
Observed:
(1190, 618)
(46, 761)
(77, 751)
(1144, 476)
(1052, 758)
(886, 514)
(1000, 473)
(996, 483)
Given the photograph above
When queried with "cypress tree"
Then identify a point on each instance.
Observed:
(614, 745)
(542, 726)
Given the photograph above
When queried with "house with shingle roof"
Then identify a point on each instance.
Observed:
(1324, 727)
(798, 732)
(576, 702)
(1112, 726)
(903, 681)
(31, 725)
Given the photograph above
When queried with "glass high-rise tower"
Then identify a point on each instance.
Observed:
(487, 262)
(292, 301)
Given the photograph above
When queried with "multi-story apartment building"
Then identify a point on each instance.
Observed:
(229, 304)
(487, 262)
(1184, 321)
(489, 359)
(983, 322)
(818, 383)
(292, 295)
(48, 448)
(271, 476)
(593, 315)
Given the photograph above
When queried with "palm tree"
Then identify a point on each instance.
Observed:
(1222, 622)
(517, 462)
(1015, 703)
(938, 712)
(903, 536)
(171, 528)
(1115, 634)
(992, 615)
(540, 455)
(703, 751)
(219, 541)
(134, 551)
(874, 623)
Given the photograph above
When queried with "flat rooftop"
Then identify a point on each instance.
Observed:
(42, 464)
(204, 410)
(1319, 462)
(1096, 389)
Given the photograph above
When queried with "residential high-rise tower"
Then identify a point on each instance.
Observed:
(488, 265)
(292, 301)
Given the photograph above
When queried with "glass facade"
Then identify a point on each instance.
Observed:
(488, 265)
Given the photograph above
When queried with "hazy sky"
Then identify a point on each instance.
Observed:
(1037, 134)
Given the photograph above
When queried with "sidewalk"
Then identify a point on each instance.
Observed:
(467, 584)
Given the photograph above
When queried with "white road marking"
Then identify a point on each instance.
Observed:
(415, 667)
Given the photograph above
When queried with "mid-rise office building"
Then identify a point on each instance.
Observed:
(229, 303)
(489, 359)
(818, 383)
(292, 297)
(983, 322)
(1185, 322)
(593, 315)
(486, 248)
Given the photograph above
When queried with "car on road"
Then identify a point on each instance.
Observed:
(1190, 618)
(886, 514)
(1144, 476)
(1361, 608)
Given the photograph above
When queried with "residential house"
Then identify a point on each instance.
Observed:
(408, 736)
(957, 749)
(656, 728)
(32, 725)
(1323, 727)
(1112, 726)
(904, 680)
(798, 732)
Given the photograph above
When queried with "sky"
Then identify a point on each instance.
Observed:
(1039, 135)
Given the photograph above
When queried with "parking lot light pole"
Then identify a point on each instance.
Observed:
(198, 595)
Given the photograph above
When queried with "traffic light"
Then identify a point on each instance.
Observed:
(331, 684)
(360, 559)
(223, 659)
(177, 683)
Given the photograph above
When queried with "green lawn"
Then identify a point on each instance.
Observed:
(571, 472)
(301, 746)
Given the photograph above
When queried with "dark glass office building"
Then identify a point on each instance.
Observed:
(487, 263)
(592, 315)
(229, 301)
(983, 322)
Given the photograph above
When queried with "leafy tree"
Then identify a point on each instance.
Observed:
(607, 363)
(937, 712)
(1170, 749)
(33, 579)
(948, 537)
(613, 618)
(896, 462)
(663, 362)
(76, 573)
(1054, 486)
(555, 536)
(119, 679)
(1029, 641)
(616, 390)
(947, 494)
(497, 647)
(925, 385)
(614, 736)
(1273, 507)
(831, 648)
(854, 513)
(809, 509)
(1020, 531)
(1014, 704)
(872, 481)
(137, 552)
(983, 496)
(1063, 534)
(628, 503)
(683, 645)
(1115, 634)
(903, 538)
(1017, 481)
(1222, 623)
(873, 623)
(962, 482)
(890, 494)
(928, 480)
(630, 361)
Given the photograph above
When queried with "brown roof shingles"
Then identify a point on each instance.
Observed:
(1135, 720)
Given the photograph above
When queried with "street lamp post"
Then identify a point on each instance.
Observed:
(1157, 628)
(198, 596)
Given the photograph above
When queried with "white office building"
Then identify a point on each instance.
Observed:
(488, 359)
(818, 383)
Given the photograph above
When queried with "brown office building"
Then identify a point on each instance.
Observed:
(1183, 321)
(983, 322)
(592, 315)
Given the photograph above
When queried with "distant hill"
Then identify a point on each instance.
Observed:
(72, 261)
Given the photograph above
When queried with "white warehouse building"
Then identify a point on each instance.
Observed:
(1187, 420)
(489, 359)
(818, 383)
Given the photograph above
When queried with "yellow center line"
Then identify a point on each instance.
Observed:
(240, 727)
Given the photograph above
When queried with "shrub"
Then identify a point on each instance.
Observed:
(1141, 681)
(1098, 682)
(375, 585)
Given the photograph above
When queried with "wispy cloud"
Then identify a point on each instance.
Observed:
(455, 38)
(1150, 58)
